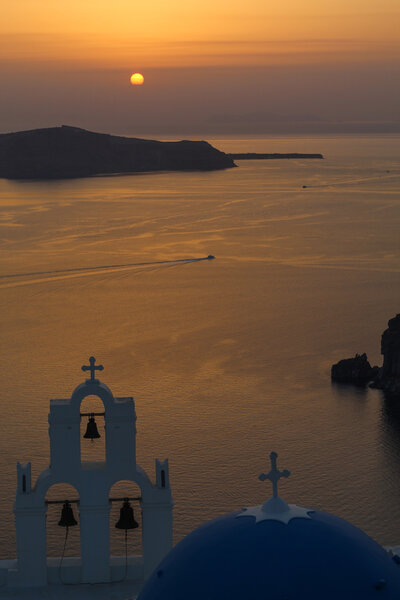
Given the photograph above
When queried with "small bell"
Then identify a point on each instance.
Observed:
(126, 518)
(91, 429)
(67, 516)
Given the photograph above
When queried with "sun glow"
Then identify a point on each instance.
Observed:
(137, 79)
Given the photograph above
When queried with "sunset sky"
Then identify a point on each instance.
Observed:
(212, 66)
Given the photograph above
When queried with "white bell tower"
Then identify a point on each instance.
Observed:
(93, 481)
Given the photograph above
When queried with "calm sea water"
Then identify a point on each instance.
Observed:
(227, 359)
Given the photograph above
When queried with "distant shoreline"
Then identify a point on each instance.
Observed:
(274, 156)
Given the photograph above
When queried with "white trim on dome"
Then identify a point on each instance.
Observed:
(276, 509)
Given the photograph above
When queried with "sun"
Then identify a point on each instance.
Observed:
(137, 79)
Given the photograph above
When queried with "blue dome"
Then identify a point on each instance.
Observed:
(320, 557)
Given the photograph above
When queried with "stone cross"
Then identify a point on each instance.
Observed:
(274, 475)
(92, 368)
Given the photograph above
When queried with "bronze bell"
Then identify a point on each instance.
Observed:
(91, 429)
(67, 516)
(126, 518)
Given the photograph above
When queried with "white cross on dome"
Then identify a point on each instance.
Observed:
(274, 475)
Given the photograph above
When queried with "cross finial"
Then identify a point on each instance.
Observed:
(92, 368)
(274, 475)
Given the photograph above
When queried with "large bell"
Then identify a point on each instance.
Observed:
(91, 430)
(67, 516)
(126, 518)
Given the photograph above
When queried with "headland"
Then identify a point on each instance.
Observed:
(69, 152)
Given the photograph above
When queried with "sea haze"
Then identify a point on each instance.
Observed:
(227, 359)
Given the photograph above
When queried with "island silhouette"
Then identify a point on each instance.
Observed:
(68, 152)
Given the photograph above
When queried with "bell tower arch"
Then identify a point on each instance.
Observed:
(93, 480)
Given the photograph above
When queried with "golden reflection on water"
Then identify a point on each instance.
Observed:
(227, 359)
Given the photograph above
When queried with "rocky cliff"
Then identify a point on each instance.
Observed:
(358, 371)
(63, 152)
(389, 375)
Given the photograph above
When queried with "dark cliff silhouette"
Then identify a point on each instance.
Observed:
(65, 152)
(389, 376)
(358, 371)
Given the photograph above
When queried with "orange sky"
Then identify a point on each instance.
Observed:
(209, 65)
(104, 34)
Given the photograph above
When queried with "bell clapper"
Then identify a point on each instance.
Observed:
(67, 520)
(126, 521)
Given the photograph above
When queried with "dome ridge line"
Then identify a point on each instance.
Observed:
(288, 512)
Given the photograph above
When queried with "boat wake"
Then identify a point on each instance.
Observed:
(19, 279)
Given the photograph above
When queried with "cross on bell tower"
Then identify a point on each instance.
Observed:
(92, 368)
(274, 475)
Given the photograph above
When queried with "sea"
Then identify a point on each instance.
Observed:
(228, 359)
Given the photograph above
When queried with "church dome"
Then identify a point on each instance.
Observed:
(275, 551)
